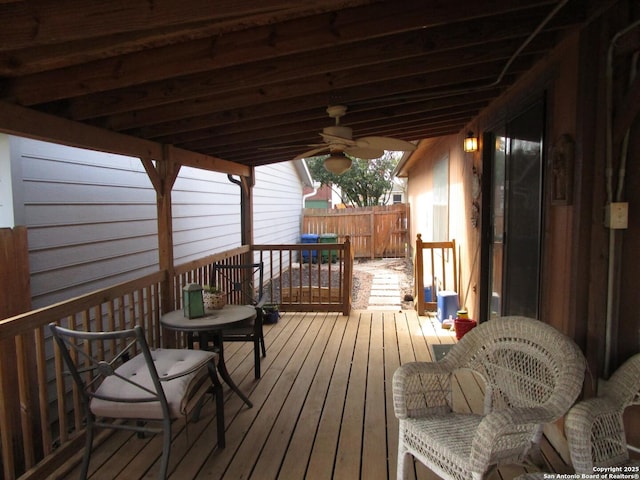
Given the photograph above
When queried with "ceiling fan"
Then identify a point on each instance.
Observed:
(338, 141)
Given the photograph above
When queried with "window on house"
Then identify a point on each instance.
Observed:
(397, 198)
(441, 200)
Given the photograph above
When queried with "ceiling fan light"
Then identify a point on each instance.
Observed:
(337, 163)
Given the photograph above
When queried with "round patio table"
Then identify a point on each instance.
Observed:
(212, 325)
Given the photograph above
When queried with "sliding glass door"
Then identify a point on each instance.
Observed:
(514, 220)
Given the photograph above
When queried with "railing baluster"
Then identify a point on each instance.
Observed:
(63, 427)
(43, 397)
(6, 425)
(24, 398)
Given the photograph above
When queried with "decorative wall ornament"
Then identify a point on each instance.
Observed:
(476, 191)
(475, 214)
(562, 163)
(476, 188)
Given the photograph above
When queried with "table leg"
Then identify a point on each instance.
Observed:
(222, 367)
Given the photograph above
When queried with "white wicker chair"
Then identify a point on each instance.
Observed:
(533, 374)
(594, 427)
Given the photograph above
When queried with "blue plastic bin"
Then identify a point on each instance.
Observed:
(306, 254)
(447, 305)
(427, 294)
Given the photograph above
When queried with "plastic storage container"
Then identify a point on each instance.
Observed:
(447, 304)
(329, 238)
(306, 254)
(427, 294)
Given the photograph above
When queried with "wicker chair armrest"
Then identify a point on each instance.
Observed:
(589, 410)
(604, 415)
(500, 432)
(422, 388)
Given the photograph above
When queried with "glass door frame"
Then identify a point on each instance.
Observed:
(487, 248)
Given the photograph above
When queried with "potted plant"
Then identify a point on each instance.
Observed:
(213, 297)
(271, 313)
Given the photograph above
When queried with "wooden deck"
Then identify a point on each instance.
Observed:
(322, 409)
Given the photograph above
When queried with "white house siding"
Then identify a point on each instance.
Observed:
(277, 207)
(206, 214)
(277, 204)
(92, 219)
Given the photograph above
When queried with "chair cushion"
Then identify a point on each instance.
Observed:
(181, 369)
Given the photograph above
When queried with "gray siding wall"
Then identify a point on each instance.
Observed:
(92, 218)
(277, 204)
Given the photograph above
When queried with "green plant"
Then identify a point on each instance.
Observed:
(366, 183)
(211, 289)
(271, 313)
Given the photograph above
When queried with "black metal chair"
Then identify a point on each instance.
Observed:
(243, 284)
(119, 377)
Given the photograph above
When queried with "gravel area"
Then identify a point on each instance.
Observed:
(363, 272)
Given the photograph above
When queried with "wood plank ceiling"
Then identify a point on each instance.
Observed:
(249, 81)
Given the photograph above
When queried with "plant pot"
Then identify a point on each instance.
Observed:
(271, 314)
(214, 301)
(462, 326)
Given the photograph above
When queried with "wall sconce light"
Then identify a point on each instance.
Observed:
(337, 163)
(470, 143)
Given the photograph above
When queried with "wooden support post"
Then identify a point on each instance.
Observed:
(419, 277)
(163, 175)
(16, 412)
(348, 276)
(246, 184)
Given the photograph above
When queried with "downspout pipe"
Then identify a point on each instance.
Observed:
(243, 213)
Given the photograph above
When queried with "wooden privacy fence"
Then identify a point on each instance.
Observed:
(375, 232)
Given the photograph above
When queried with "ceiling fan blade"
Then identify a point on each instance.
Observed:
(337, 140)
(385, 143)
(312, 153)
(365, 153)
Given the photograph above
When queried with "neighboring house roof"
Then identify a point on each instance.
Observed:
(304, 173)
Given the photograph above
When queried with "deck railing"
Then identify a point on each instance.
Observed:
(435, 262)
(41, 419)
(308, 277)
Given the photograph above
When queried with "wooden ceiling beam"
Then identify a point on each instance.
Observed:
(403, 77)
(25, 122)
(257, 158)
(500, 33)
(46, 23)
(320, 119)
(310, 130)
(65, 53)
(209, 162)
(404, 129)
(270, 41)
(354, 98)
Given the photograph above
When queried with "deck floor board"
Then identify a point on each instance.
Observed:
(322, 408)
